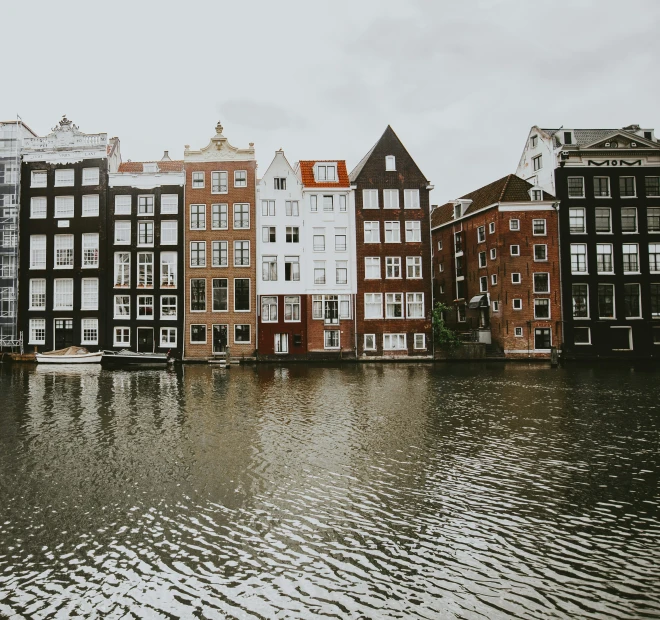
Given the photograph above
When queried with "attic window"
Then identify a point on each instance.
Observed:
(457, 211)
(532, 142)
(151, 167)
(326, 172)
(648, 135)
(568, 137)
(390, 163)
(537, 194)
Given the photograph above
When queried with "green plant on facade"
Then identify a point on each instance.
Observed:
(443, 336)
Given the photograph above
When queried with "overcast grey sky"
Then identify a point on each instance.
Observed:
(461, 82)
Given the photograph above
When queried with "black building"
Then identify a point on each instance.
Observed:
(145, 258)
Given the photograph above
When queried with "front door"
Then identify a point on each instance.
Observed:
(145, 340)
(63, 333)
(542, 338)
(219, 338)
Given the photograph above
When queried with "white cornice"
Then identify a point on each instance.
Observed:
(146, 181)
(218, 149)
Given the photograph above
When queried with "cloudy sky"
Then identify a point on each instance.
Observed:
(460, 82)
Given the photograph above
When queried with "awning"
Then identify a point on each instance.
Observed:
(478, 301)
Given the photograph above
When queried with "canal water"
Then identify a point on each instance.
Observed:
(361, 491)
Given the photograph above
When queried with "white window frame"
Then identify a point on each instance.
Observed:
(120, 302)
(401, 342)
(65, 177)
(89, 294)
(369, 229)
(90, 250)
(125, 336)
(169, 204)
(38, 207)
(411, 199)
(419, 342)
(514, 224)
(413, 267)
(516, 303)
(371, 299)
(198, 179)
(38, 290)
(220, 209)
(370, 199)
(516, 251)
(168, 341)
(65, 207)
(91, 176)
(123, 226)
(123, 204)
(238, 181)
(394, 232)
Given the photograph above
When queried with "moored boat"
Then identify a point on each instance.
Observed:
(133, 358)
(70, 355)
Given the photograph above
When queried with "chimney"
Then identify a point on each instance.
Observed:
(166, 156)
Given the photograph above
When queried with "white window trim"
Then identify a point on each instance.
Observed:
(206, 334)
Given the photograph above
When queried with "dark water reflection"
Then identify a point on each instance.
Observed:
(376, 491)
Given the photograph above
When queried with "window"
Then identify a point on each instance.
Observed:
(411, 198)
(281, 343)
(291, 268)
(580, 301)
(280, 182)
(537, 195)
(576, 220)
(630, 258)
(219, 217)
(493, 279)
(146, 205)
(64, 178)
(415, 305)
(539, 227)
(7, 266)
(392, 232)
(198, 334)
(627, 187)
(340, 239)
(602, 187)
(628, 219)
(122, 307)
(533, 141)
(90, 205)
(269, 268)
(38, 208)
(241, 253)
(413, 267)
(291, 308)
(168, 337)
(145, 233)
(341, 272)
(90, 250)
(319, 272)
(652, 186)
(241, 216)
(581, 335)
(90, 331)
(604, 262)
(441, 268)
(606, 301)
(439, 244)
(37, 251)
(37, 294)
(168, 232)
(122, 269)
(168, 307)
(541, 282)
(145, 270)
(63, 251)
(394, 342)
(517, 303)
(331, 339)
(90, 294)
(318, 241)
(603, 220)
(393, 267)
(198, 295)
(481, 234)
(540, 252)
(515, 278)
(220, 254)
(390, 163)
(342, 202)
(631, 301)
(197, 180)
(576, 187)
(169, 204)
(267, 208)
(40, 179)
(122, 205)
(537, 162)
(655, 301)
(514, 224)
(372, 268)
(578, 258)
(653, 219)
(413, 232)
(168, 269)
(90, 176)
(241, 294)
(541, 308)
(518, 332)
(269, 309)
(491, 228)
(394, 305)
(515, 250)
(370, 342)
(241, 334)
(63, 296)
(482, 259)
(493, 254)
(219, 182)
(197, 217)
(373, 305)
(496, 306)
(328, 204)
(268, 234)
(313, 203)
(483, 284)
(291, 208)
(371, 232)
(420, 341)
(370, 199)
(122, 336)
(64, 206)
(122, 233)
(145, 306)
(292, 234)
(542, 338)
(654, 257)
(240, 178)
(458, 211)
(390, 198)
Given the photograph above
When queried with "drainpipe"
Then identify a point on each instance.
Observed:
(355, 334)
(556, 206)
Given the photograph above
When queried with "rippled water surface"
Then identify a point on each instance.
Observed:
(369, 491)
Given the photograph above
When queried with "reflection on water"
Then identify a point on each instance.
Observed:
(367, 491)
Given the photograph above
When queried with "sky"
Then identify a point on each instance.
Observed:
(460, 82)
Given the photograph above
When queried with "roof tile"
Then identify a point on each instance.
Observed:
(137, 167)
(307, 173)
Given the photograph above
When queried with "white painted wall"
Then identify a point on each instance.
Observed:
(545, 177)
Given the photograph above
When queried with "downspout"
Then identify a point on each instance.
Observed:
(184, 274)
(556, 206)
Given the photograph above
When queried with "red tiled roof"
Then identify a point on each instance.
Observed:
(307, 173)
(510, 188)
(163, 166)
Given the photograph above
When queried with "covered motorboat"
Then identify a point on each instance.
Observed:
(133, 358)
(70, 355)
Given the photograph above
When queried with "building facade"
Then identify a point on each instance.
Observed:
(144, 261)
(496, 266)
(220, 249)
(608, 184)
(62, 284)
(393, 257)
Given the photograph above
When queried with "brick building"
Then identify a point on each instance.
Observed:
(392, 224)
(220, 249)
(496, 264)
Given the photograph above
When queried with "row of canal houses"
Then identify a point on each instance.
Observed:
(202, 255)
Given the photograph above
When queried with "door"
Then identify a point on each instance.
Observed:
(63, 333)
(331, 311)
(542, 338)
(219, 338)
(145, 340)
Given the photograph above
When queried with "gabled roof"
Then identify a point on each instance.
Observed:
(510, 188)
(137, 167)
(355, 173)
(306, 168)
(587, 137)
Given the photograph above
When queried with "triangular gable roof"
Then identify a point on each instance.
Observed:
(277, 154)
(607, 135)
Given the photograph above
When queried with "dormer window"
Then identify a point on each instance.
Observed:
(150, 167)
(536, 194)
(533, 142)
(458, 211)
(568, 137)
(390, 163)
(326, 172)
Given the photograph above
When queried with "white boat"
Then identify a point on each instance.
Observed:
(134, 358)
(71, 355)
